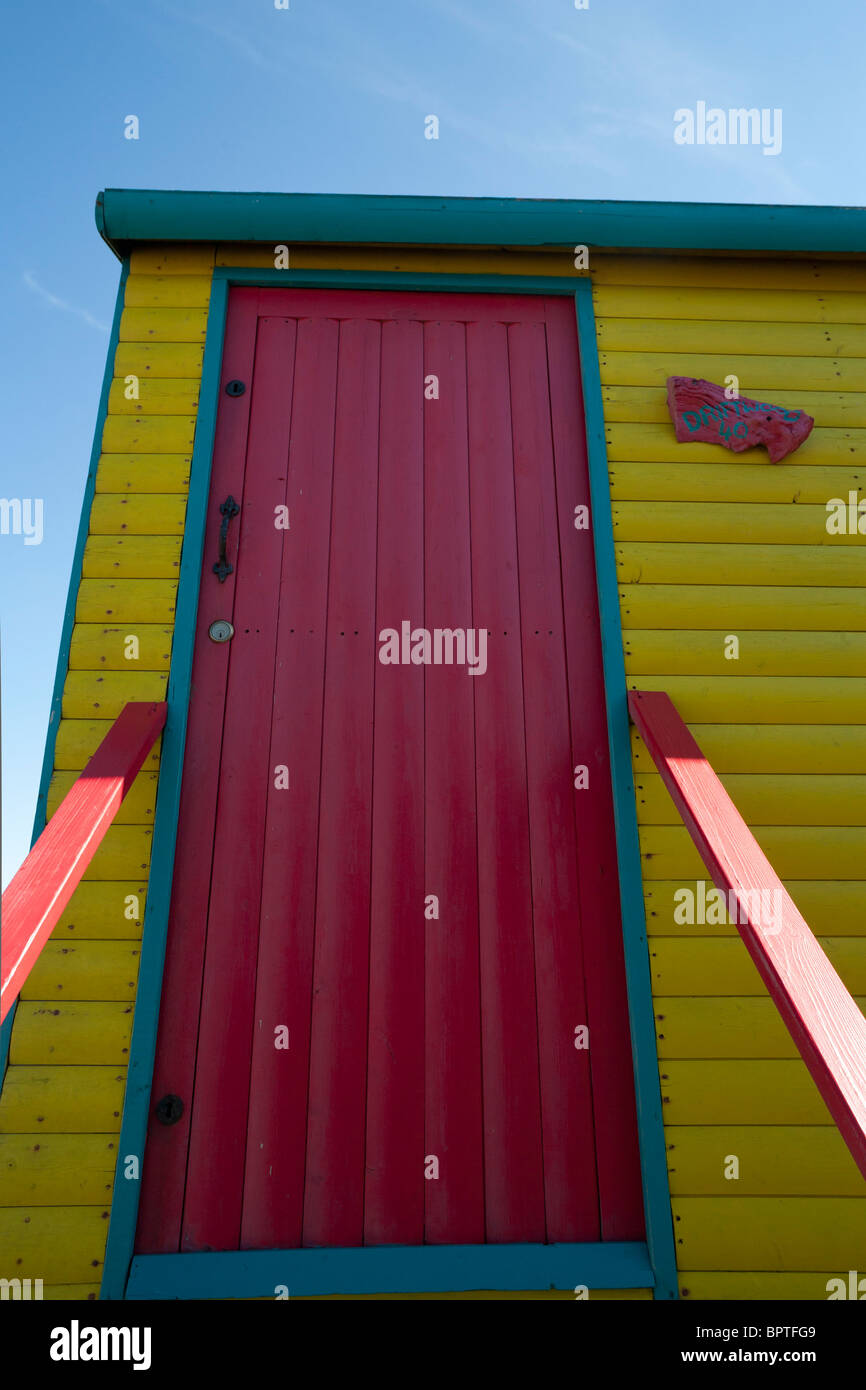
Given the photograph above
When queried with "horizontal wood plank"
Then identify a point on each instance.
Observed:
(831, 907)
(769, 799)
(771, 1233)
(57, 1169)
(740, 1091)
(123, 557)
(773, 1160)
(143, 473)
(62, 1100)
(664, 603)
(71, 1033)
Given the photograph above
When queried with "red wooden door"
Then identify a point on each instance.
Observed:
(392, 909)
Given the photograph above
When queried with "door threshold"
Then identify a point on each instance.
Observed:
(386, 1269)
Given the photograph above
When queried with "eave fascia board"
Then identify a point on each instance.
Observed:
(128, 217)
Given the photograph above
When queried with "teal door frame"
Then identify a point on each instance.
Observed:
(251, 1274)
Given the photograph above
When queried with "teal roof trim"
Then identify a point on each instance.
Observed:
(127, 217)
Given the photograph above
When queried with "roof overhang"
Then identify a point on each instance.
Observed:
(128, 217)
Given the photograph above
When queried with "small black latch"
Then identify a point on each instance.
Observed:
(235, 388)
(169, 1110)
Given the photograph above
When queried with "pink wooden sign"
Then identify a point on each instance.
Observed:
(701, 412)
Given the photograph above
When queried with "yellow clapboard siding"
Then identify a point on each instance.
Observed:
(112, 910)
(775, 699)
(124, 853)
(704, 335)
(721, 966)
(710, 272)
(720, 1028)
(755, 305)
(71, 1293)
(149, 434)
(137, 807)
(95, 647)
(737, 566)
(78, 740)
(94, 970)
(740, 1091)
(769, 799)
(165, 325)
(61, 1245)
(171, 258)
(159, 360)
(56, 1169)
(774, 1160)
(652, 368)
(145, 473)
(155, 514)
(178, 291)
(132, 557)
(743, 607)
(176, 396)
(658, 444)
(829, 907)
(772, 1233)
(736, 482)
(730, 522)
(830, 748)
(755, 1285)
(62, 1100)
(83, 1033)
(125, 600)
(432, 260)
(102, 694)
(648, 404)
(702, 652)
(795, 851)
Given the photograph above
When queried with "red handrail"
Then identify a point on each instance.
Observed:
(818, 1011)
(53, 869)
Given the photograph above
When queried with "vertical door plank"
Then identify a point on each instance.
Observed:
(276, 1139)
(610, 1048)
(454, 1206)
(570, 1186)
(165, 1160)
(514, 1184)
(334, 1189)
(212, 1211)
(394, 1197)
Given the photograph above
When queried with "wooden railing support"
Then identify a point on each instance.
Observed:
(53, 869)
(827, 1026)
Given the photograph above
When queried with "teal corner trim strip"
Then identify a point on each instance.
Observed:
(391, 1269)
(128, 216)
(133, 1130)
(657, 1203)
(69, 613)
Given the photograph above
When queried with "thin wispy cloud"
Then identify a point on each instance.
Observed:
(56, 303)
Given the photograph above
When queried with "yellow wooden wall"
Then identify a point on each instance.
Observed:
(705, 547)
(708, 545)
(62, 1099)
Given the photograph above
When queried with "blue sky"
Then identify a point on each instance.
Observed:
(534, 99)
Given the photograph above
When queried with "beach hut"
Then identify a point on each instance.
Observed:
(453, 883)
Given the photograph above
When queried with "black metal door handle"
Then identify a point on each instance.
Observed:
(222, 568)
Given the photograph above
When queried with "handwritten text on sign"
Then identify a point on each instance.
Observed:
(701, 411)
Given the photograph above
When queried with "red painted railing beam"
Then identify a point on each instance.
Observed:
(827, 1026)
(53, 869)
